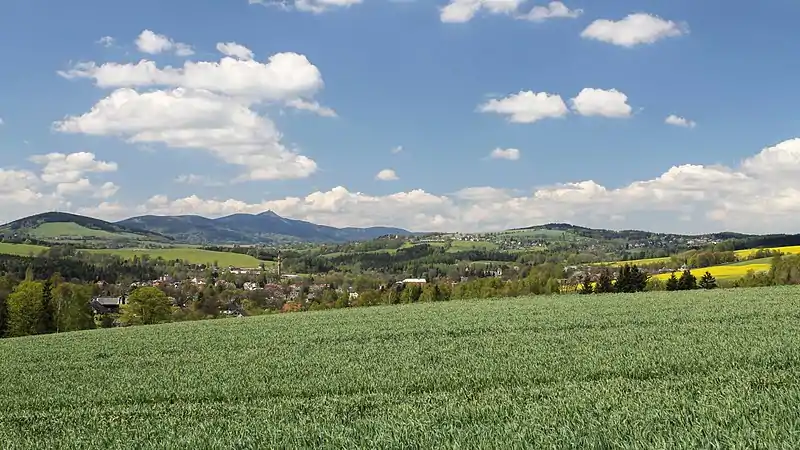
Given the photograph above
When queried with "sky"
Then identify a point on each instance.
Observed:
(441, 115)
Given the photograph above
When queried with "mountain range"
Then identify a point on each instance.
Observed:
(264, 228)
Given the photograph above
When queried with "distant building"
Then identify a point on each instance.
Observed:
(107, 305)
(413, 281)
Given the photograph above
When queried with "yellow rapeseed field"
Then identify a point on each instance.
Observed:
(741, 254)
(723, 272)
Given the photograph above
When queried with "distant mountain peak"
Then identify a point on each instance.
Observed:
(270, 213)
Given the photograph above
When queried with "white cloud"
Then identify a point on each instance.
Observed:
(2, 122)
(70, 168)
(285, 76)
(207, 106)
(633, 30)
(460, 11)
(154, 43)
(312, 6)
(553, 10)
(527, 106)
(235, 50)
(678, 121)
(195, 119)
(760, 195)
(601, 102)
(511, 154)
(396, 150)
(314, 107)
(106, 41)
(387, 175)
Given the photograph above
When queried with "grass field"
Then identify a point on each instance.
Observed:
(191, 255)
(20, 249)
(52, 230)
(710, 369)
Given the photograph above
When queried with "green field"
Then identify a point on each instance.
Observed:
(52, 230)
(20, 249)
(190, 255)
(700, 369)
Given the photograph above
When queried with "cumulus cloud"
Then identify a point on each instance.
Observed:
(685, 198)
(511, 154)
(106, 41)
(678, 121)
(184, 118)
(312, 6)
(206, 106)
(314, 107)
(67, 173)
(634, 29)
(553, 10)
(527, 106)
(283, 77)
(62, 178)
(601, 102)
(235, 50)
(154, 43)
(387, 175)
(460, 11)
(68, 168)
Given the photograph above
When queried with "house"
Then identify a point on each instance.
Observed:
(107, 305)
(413, 281)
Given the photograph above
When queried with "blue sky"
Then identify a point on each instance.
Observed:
(403, 73)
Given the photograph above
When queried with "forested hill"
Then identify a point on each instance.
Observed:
(267, 227)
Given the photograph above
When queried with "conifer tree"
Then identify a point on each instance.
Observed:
(587, 287)
(707, 281)
(672, 283)
(687, 282)
(604, 283)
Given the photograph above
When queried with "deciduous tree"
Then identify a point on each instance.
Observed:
(146, 305)
(25, 308)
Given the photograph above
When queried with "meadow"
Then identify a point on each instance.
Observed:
(20, 249)
(190, 255)
(693, 369)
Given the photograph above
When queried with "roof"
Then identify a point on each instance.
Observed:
(108, 301)
(415, 280)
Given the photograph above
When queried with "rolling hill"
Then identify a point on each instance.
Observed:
(52, 226)
(266, 227)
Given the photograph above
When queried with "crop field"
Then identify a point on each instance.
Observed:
(790, 250)
(20, 249)
(191, 255)
(710, 369)
(57, 229)
(724, 272)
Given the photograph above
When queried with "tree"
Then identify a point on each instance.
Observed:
(638, 279)
(687, 281)
(71, 307)
(604, 283)
(707, 281)
(672, 283)
(623, 283)
(47, 321)
(587, 287)
(25, 308)
(146, 305)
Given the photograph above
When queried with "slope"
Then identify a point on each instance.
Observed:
(51, 226)
(266, 227)
(553, 372)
